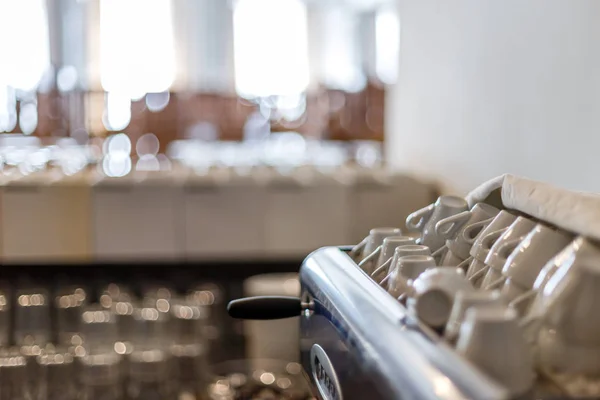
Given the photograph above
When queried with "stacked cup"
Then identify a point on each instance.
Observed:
(455, 229)
(405, 269)
(483, 243)
(378, 261)
(385, 271)
(568, 340)
(372, 241)
(431, 296)
(508, 240)
(426, 219)
(465, 301)
(528, 259)
(558, 268)
(491, 339)
(538, 306)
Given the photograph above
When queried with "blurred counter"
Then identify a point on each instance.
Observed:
(221, 214)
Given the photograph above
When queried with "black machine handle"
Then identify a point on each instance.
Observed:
(265, 307)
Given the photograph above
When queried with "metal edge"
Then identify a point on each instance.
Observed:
(429, 368)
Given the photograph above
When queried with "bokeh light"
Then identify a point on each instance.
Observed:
(136, 46)
(270, 47)
(117, 114)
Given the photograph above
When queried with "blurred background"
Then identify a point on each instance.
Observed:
(209, 69)
(161, 157)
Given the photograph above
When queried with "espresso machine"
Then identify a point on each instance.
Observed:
(358, 342)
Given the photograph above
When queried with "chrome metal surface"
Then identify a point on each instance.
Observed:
(324, 374)
(375, 349)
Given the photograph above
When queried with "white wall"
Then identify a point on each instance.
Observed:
(493, 86)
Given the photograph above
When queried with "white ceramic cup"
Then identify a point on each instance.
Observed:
(372, 241)
(453, 230)
(431, 295)
(384, 270)
(511, 290)
(465, 301)
(564, 361)
(573, 305)
(425, 219)
(384, 252)
(491, 339)
(450, 259)
(406, 269)
(571, 257)
(504, 245)
(480, 248)
(389, 246)
(532, 303)
(493, 278)
(527, 260)
(568, 340)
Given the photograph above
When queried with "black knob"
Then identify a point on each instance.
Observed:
(265, 307)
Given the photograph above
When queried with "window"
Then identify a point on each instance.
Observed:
(270, 47)
(24, 44)
(339, 58)
(8, 108)
(136, 46)
(387, 44)
(24, 59)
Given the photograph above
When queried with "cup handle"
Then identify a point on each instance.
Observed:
(439, 251)
(530, 326)
(370, 257)
(356, 250)
(464, 265)
(497, 284)
(479, 274)
(508, 247)
(488, 240)
(448, 227)
(469, 234)
(385, 280)
(419, 218)
(522, 301)
(381, 267)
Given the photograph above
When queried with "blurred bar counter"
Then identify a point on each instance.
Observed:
(184, 215)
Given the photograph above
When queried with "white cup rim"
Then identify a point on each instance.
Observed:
(397, 239)
(452, 201)
(411, 247)
(415, 258)
(386, 230)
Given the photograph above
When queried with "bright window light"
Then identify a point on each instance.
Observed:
(270, 47)
(136, 46)
(341, 65)
(387, 44)
(8, 109)
(117, 114)
(24, 43)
